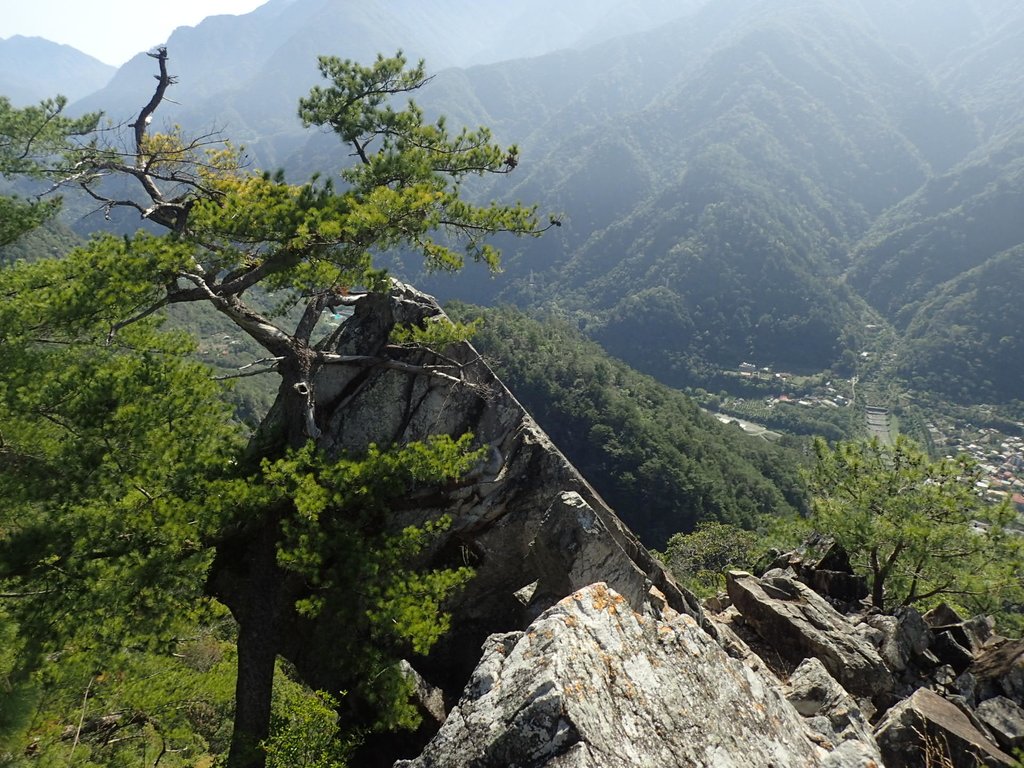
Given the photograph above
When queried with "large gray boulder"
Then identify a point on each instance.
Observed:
(798, 623)
(830, 710)
(529, 524)
(927, 729)
(904, 637)
(1004, 720)
(593, 682)
(572, 548)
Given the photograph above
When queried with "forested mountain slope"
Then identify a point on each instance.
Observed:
(660, 462)
(965, 340)
(944, 263)
(715, 174)
(740, 180)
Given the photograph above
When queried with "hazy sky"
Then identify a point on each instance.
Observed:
(111, 30)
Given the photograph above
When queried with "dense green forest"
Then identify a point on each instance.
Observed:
(965, 341)
(736, 181)
(944, 266)
(660, 462)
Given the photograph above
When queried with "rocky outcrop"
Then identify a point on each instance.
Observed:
(592, 655)
(903, 639)
(531, 527)
(594, 682)
(571, 547)
(996, 670)
(830, 710)
(943, 690)
(799, 623)
(1004, 719)
(927, 728)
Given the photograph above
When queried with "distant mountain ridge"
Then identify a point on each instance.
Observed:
(738, 179)
(32, 69)
(712, 209)
(265, 60)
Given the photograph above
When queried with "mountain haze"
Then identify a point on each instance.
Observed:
(737, 180)
(32, 69)
(726, 195)
(265, 60)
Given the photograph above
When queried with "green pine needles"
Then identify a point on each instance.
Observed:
(918, 528)
(144, 533)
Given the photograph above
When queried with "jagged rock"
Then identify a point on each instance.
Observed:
(997, 671)
(428, 700)
(950, 652)
(980, 631)
(821, 563)
(1005, 721)
(816, 551)
(717, 603)
(594, 683)
(926, 728)
(572, 545)
(971, 635)
(893, 653)
(376, 392)
(498, 512)
(797, 622)
(832, 712)
(965, 686)
(873, 635)
(727, 637)
(944, 680)
(942, 615)
(904, 637)
(839, 585)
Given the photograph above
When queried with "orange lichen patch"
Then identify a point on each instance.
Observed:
(538, 635)
(576, 690)
(668, 637)
(605, 600)
(570, 620)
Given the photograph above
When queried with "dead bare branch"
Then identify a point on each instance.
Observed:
(164, 80)
(249, 369)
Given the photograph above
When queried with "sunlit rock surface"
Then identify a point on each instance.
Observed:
(593, 682)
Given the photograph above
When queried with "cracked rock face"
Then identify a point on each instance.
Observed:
(926, 726)
(794, 619)
(510, 519)
(593, 682)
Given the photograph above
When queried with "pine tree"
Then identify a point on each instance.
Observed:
(134, 493)
(917, 527)
(32, 141)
